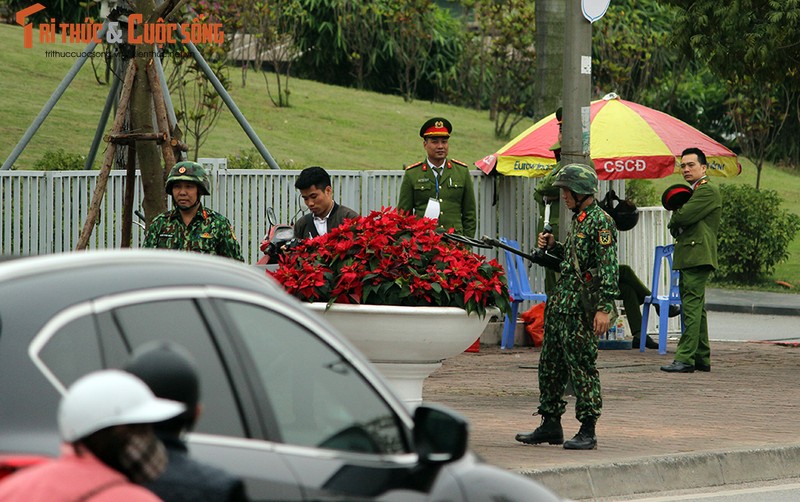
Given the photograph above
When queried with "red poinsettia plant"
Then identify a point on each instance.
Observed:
(392, 258)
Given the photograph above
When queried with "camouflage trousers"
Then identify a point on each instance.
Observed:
(569, 352)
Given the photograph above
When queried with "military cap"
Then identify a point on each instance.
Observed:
(189, 171)
(675, 196)
(578, 178)
(437, 126)
(559, 115)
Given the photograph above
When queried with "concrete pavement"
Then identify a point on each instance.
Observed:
(659, 431)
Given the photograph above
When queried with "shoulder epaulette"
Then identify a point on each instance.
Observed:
(458, 162)
(415, 165)
(703, 182)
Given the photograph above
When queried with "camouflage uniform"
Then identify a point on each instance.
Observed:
(569, 350)
(209, 232)
(545, 189)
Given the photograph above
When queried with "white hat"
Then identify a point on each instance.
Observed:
(110, 397)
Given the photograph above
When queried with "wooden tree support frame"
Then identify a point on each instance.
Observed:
(116, 137)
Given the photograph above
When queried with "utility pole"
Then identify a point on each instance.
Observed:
(577, 88)
(577, 85)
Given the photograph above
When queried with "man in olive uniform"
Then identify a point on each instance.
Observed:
(190, 226)
(546, 193)
(573, 320)
(436, 179)
(694, 227)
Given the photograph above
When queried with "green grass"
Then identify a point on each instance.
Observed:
(325, 125)
(331, 126)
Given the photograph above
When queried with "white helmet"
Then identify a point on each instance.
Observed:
(110, 397)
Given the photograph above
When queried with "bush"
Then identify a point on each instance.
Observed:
(754, 233)
(247, 159)
(59, 160)
(641, 192)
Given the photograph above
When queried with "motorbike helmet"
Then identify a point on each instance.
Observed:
(189, 171)
(624, 212)
(578, 178)
(169, 370)
(106, 398)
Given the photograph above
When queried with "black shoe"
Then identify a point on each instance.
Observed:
(585, 439)
(702, 367)
(549, 432)
(674, 310)
(678, 367)
(648, 342)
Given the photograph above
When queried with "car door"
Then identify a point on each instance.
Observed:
(333, 425)
(224, 434)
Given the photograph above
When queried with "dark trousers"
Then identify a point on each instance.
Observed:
(693, 347)
(632, 292)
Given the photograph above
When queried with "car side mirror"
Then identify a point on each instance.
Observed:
(440, 434)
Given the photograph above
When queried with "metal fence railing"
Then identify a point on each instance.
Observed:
(43, 211)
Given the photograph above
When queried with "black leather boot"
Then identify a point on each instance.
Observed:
(585, 438)
(549, 432)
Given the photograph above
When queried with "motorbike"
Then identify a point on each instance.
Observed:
(278, 239)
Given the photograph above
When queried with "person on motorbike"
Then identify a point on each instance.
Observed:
(325, 214)
(190, 226)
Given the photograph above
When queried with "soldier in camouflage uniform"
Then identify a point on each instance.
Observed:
(436, 177)
(190, 226)
(546, 193)
(571, 331)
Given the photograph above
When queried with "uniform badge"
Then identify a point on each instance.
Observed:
(580, 235)
(604, 237)
(582, 216)
(439, 124)
(206, 235)
(181, 170)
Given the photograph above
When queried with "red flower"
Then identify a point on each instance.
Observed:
(391, 258)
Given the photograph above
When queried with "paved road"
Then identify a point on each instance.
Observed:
(658, 431)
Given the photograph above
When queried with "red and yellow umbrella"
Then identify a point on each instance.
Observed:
(627, 140)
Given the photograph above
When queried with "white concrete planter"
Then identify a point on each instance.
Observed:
(406, 344)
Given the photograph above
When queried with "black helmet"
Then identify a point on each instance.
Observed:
(624, 212)
(170, 372)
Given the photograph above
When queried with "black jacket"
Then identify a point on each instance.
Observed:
(186, 479)
(304, 228)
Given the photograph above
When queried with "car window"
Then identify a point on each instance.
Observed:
(73, 350)
(181, 322)
(318, 398)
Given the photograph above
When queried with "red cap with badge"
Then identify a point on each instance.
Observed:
(437, 126)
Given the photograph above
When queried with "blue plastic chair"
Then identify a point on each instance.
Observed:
(520, 289)
(663, 301)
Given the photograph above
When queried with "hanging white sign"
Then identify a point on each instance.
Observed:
(594, 9)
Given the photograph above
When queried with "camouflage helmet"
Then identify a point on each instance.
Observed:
(189, 171)
(578, 178)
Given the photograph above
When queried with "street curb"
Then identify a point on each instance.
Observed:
(673, 472)
(752, 309)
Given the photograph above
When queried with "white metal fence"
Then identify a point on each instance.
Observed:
(43, 211)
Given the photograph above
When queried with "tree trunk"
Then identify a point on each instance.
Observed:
(147, 154)
(549, 56)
